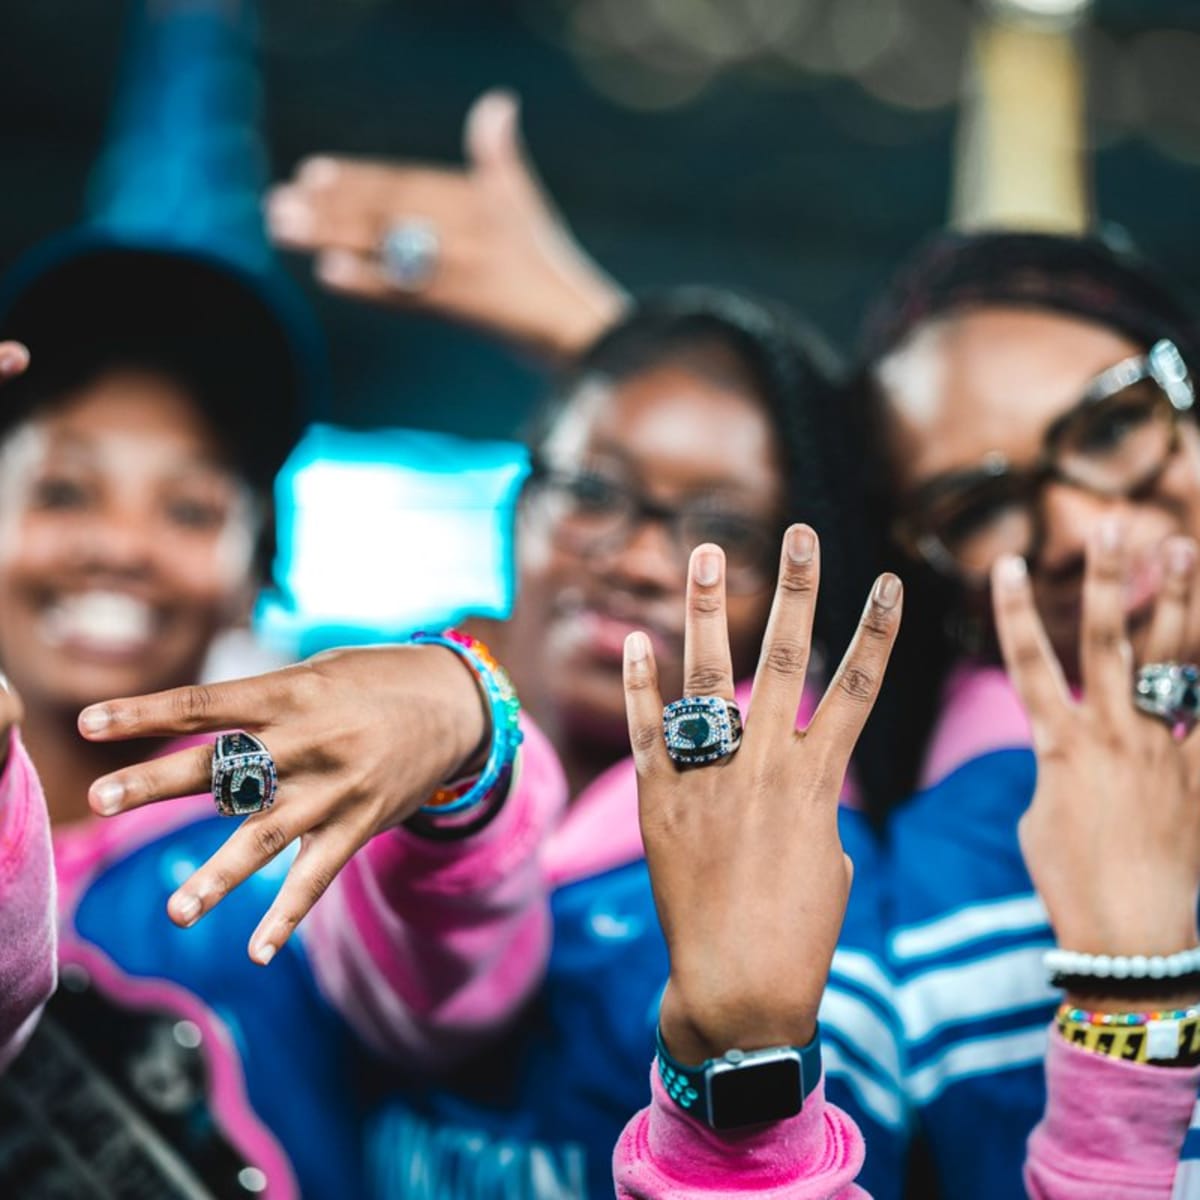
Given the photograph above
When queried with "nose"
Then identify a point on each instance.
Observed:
(122, 540)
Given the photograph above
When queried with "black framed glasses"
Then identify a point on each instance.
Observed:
(587, 512)
(1115, 441)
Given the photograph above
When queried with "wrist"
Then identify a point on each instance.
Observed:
(463, 704)
(696, 1032)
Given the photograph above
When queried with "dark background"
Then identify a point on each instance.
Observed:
(759, 166)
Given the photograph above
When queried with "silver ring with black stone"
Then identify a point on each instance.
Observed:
(1170, 692)
(244, 779)
(701, 730)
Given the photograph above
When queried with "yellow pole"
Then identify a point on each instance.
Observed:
(1021, 156)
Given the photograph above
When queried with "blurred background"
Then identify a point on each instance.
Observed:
(798, 147)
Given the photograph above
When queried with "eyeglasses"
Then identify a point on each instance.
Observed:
(1115, 441)
(589, 513)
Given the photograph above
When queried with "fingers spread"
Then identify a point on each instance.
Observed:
(779, 680)
(643, 707)
(1032, 665)
(1104, 657)
(1169, 629)
(186, 773)
(251, 845)
(707, 668)
(323, 853)
(851, 695)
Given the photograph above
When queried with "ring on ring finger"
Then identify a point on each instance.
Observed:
(702, 729)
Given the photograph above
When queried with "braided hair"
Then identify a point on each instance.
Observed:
(796, 376)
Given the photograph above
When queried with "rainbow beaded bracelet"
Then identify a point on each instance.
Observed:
(505, 711)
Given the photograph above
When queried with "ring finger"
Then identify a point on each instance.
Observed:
(1167, 640)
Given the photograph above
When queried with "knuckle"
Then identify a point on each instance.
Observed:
(644, 738)
(269, 839)
(640, 682)
(706, 604)
(786, 658)
(705, 679)
(193, 703)
(798, 581)
(1105, 637)
(317, 879)
(857, 682)
(219, 884)
(878, 623)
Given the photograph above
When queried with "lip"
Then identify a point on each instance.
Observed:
(603, 631)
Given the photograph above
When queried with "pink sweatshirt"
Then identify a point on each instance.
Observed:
(27, 925)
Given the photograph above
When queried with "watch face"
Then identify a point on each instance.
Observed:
(755, 1092)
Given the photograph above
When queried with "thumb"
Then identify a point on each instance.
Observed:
(493, 145)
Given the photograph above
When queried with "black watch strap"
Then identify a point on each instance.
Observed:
(743, 1087)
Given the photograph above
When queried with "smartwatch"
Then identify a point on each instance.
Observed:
(743, 1087)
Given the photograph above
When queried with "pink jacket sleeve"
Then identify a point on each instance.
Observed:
(427, 948)
(663, 1154)
(1112, 1129)
(27, 902)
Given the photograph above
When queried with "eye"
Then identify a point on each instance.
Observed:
(1110, 426)
(592, 493)
(197, 514)
(59, 493)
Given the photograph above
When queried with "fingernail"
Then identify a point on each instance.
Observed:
(187, 909)
(318, 172)
(1011, 571)
(94, 719)
(708, 568)
(263, 954)
(1181, 556)
(887, 591)
(289, 215)
(800, 544)
(336, 266)
(637, 647)
(1110, 534)
(108, 794)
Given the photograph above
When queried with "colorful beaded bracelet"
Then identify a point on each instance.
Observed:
(1166, 1041)
(1081, 1016)
(504, 709)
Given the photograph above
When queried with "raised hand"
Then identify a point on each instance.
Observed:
(749, 876)
(1112, 836)
(504, 260)
(360, 740)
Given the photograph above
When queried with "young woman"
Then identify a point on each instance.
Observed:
(685, 425)
(136, 459)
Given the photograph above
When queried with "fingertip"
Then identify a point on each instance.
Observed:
(887, 591)
(491, 127)
(800, 544)
(1179, 556)
(94, 721)
(337, 268)
(263, 952)
(318, 171)
(637, 655)
(1110, 535)
(708, 561)
(184, 909)
(1009, 574)
(14, 358)
(105, 797)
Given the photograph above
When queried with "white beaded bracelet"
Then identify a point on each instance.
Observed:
(1122, 966)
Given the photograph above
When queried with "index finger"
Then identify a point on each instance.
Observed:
(252, 703)
(1032, 664)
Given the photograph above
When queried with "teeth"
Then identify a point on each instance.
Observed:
(108, 619)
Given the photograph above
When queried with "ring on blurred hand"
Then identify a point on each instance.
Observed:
(409, 253)
(243, 775)
(1169, 691)
(701, 729)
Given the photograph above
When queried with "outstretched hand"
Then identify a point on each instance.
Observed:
(1112, 836)
(506, 261)
(749, 876)
(360, 740)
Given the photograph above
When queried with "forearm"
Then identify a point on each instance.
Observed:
(27, 902)
(663, 1154)
(1111, 1129)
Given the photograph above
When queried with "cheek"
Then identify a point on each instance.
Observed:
(205, 574)
(1180, 484)
(33, 547)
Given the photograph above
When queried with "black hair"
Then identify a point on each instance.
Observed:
(796, 376)
(950, 274)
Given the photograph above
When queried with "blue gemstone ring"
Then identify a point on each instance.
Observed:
(702, 729)
(244, 779)
(409, 254)
(1169, 691)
